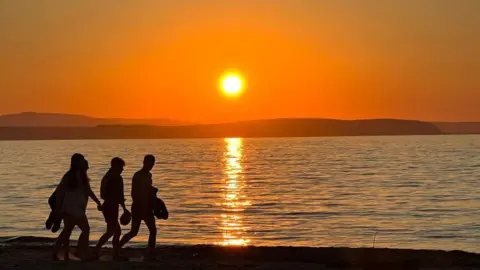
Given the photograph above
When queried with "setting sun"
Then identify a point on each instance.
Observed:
(231, 84)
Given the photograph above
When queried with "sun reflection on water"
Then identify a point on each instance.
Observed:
(234, 200)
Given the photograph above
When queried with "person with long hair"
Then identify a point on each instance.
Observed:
(71, 204)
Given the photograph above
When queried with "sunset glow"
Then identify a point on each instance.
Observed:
(304, 59)
(234, 200)
(232, 84)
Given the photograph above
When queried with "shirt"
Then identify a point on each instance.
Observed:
(112, 188)
(68, 184)
(141, 187)
(72, 194)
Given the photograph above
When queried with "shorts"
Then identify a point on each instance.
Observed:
(110, 212)
(141, 212)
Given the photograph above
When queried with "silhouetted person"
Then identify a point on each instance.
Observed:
(112, 193)
(72, 197)
(142, 205)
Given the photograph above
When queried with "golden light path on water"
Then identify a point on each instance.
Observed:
(234, 200)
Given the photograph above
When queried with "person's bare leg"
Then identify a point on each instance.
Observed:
(57, 247)
(80, 244)
(104, 239)
(117, 231)
(152, 238)
(131, 234)
(84, 240)
(66, 244)
(63, 239)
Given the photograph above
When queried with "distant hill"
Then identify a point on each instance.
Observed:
(459, 127)
(32, 119)
(258, 128)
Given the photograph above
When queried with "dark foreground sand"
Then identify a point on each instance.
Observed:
(23, 256)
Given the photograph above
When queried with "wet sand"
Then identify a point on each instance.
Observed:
(28, 256)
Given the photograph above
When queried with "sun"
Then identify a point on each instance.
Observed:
(231, 84)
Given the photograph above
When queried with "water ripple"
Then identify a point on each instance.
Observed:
(412, 192)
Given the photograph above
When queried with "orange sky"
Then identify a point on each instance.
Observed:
(300, 58)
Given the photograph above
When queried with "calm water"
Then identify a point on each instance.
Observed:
(413, 192)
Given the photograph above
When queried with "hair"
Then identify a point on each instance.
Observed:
(78, 164)
(117, 162)
(84, 173)
(75, 161)
(149, 158)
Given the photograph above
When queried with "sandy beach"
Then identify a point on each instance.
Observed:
(18, 254)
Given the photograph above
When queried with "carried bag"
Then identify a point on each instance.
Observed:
(159, 208)
(52, 223)
(125, 218)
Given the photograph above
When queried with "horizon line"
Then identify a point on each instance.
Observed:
(189, 122)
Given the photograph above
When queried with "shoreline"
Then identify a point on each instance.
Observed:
(43, 241)
(23, 254)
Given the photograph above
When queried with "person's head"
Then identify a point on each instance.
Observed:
(117, 165)
(78, 167)
(78, 163)
(148, 162)
(84, 173)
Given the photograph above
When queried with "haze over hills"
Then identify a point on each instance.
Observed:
(33, 119)
(257, 128)
(31, 126)
(459, 127)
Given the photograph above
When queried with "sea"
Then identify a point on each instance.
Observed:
(413, 192)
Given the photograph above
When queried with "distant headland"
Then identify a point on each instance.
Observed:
(34, 119)
(36, 126)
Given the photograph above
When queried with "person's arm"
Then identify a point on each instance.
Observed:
(150, 180)
(138, 188)
(151, 188)
(122, 203)
(152, 191)
(133, 190)
(103, 188)
(122, 196)
(92, 195)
